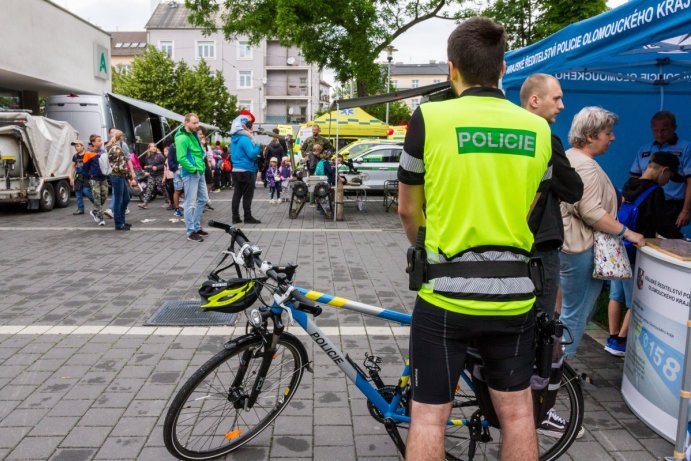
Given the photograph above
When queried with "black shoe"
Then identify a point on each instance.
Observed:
(237, 220)
(122, 228)
(209, 207)
(78, 212)
(201, 232)
(195, 237)
(252, 220)
(128, 225)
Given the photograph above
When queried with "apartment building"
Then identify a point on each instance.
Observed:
(124, 47)
(406, 76)
(274, 82)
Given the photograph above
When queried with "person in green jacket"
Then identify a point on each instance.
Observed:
(190, 156)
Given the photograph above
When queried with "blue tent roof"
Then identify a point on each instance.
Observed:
(633, 60)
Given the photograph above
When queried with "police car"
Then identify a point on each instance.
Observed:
(378, 164)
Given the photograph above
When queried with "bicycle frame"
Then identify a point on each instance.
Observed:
(388, 410)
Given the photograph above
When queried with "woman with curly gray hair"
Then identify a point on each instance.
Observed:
(590, 135)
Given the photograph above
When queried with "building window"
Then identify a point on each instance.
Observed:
(244, 50)
(245, 79)
(166, 47)
(414, 103)
(247, 104)
(123, 69)
(206, 49)
(436, 80)
(415, 84)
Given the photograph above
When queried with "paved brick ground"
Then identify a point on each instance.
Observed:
(82, 379)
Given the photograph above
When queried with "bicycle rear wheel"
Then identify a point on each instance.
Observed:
(569, 405)
(210, 416)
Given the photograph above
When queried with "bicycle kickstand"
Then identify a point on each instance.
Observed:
(391, 429)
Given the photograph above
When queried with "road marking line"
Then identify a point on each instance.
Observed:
(227, 331)
(181, 230)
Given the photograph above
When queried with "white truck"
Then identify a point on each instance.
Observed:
(35, 160)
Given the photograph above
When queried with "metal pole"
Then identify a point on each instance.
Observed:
(388, 88)
(684, 397)
(338, 116)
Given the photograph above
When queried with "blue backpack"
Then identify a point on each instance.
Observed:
(628, 212)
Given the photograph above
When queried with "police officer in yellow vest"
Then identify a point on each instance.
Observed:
(476, 162)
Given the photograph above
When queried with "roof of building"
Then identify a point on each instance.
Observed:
(433, 68)
(324, 83)
(169, 14)
(127, 43)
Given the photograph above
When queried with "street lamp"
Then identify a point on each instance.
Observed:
(389, 57)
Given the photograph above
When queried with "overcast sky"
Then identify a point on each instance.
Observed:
(420, 44)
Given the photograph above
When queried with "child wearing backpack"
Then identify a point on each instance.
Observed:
(95, 161)
(273, 179)
(643, 210)
(286, 173)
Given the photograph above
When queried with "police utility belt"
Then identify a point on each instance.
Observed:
(420, 271)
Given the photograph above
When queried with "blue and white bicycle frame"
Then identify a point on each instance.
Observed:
(390, 410)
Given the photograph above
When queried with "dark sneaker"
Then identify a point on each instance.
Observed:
(128, 225)
(195, 237)
(178, 213)
(208, 207)
(201, 232)
(78, 212)
(124, 228)
(237, 220)
(554, 426)
(252, 220)
(95, 216)
(616, 347)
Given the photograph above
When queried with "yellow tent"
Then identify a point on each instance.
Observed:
(352, 123)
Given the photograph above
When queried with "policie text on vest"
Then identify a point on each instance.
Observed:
(483, 140)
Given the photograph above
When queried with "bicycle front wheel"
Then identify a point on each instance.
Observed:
(212, 414)
(569, 406)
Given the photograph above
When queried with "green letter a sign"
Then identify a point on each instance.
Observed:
(102, 67)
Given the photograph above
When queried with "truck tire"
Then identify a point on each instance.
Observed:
(46, 201)
(62, 194)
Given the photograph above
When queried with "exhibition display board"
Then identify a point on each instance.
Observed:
(657, 339)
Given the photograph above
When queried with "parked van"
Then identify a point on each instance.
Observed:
(142, 122)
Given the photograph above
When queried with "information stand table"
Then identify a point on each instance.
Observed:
(654, 368)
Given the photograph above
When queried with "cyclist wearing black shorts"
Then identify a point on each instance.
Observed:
(476, 163)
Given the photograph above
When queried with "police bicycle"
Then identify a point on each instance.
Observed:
(240, 391)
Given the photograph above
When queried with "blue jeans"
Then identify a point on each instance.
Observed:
(196, 197)
(119, 200)
(81, 192)
(579, 294)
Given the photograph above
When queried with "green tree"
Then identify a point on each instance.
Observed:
(528, 21)
(154, 77)
(346, 36)
(399, 112)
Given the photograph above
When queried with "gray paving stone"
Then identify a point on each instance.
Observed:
(139, 408)
(35, 448)
(54, 426)
(292, 446)
(22, 417)
(333, 436)
(70, 408)
(374, 446)
(293, 425)
(87, 437)
(116, 447)
(154, 454)
(108, 417)
(11, 436)
(73, 454)
(335, 453)
(134, 426)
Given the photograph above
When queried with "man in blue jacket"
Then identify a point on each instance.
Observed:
(244, 152)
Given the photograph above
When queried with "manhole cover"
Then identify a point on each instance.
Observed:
(188, 313)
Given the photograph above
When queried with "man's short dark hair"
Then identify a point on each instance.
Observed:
(665, 115)
(476, 49)
(275, 130)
